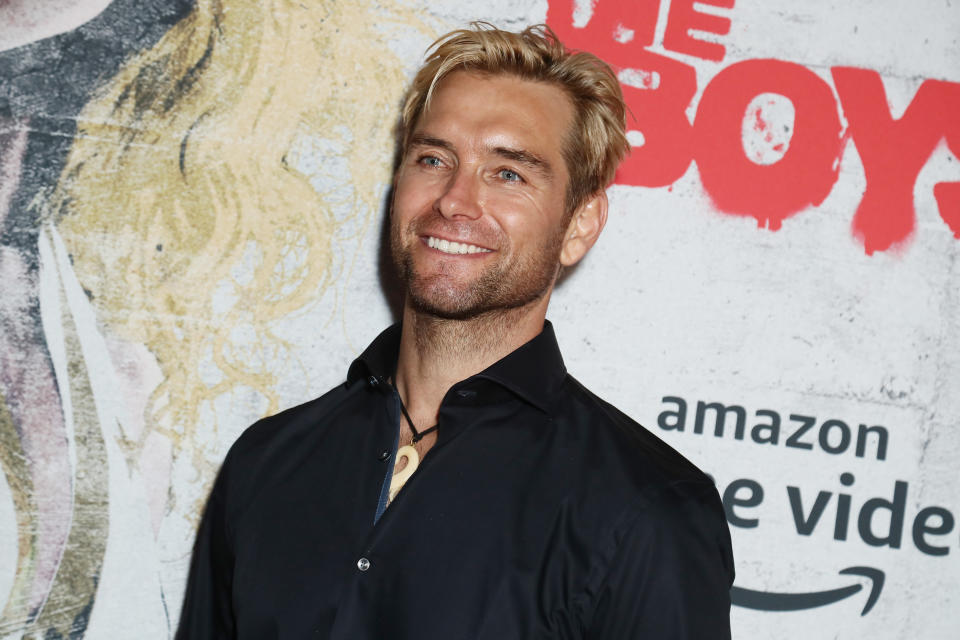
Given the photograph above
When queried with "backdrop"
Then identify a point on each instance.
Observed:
(191, 228)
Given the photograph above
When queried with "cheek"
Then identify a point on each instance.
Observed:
(407, 201)
(523, 215)
(413, 192)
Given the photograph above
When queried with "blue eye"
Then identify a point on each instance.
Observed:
(430, 161)
(510, 175)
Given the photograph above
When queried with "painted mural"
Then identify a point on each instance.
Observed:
(191, 205)
(157, 241)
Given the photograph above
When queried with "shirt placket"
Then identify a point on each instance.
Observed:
(366, 563)
(387, 455)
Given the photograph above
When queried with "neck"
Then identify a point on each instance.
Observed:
(436, 353)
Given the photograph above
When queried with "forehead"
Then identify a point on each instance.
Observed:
(468, 107)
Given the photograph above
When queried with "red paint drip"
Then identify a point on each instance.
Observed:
(948, 201)
(894, 151)
(805, 174)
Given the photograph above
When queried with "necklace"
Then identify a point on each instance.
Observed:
(417, 435)
(409, 452)
(400, 478)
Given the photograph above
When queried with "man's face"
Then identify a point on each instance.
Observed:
(476, 225)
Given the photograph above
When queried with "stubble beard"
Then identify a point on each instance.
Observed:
(499, 292)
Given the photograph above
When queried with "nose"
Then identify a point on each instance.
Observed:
(462, 197)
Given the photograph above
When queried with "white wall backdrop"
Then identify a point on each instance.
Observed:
(190, 237)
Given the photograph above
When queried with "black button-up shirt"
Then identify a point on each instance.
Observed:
(540, 512)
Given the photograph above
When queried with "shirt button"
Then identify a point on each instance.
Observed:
(363, 564)
(383, 455)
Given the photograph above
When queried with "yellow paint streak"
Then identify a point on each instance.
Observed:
(178, 182)
(16, 467)
(66, 610)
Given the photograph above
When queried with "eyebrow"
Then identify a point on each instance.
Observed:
(530, 160)
(421, 140)
(521, 156)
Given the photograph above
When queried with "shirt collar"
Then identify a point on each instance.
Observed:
(534, 371)
(379, 359)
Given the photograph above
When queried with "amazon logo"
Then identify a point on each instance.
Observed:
(786, 601)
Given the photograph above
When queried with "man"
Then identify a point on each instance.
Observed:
(460, 484)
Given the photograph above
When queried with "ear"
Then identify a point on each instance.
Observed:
(584, 228)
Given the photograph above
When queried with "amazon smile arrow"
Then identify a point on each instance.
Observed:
(769, 601)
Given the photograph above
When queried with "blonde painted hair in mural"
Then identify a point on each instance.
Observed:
(187, 218)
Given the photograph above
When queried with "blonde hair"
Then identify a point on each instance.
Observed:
(187, 216)
(597, 140)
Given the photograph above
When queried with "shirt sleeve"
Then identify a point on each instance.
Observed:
(671, 573)
(207, 612)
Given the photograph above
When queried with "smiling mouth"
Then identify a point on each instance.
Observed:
(456, 248)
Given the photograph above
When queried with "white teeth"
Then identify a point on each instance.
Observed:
(454, 247)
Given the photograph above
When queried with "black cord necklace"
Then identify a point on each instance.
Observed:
(417, 435)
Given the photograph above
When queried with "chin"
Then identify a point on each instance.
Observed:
(450, 304)
(496, 290)
(475, 302)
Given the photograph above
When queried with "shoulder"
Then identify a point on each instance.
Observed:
(290, 421)
(661, 538)
(634, 481)
(629, 449)
(256, 453)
